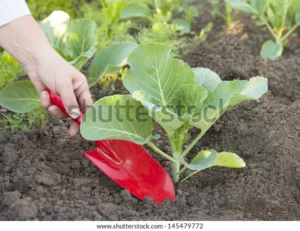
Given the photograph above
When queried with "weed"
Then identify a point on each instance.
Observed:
(23, 121)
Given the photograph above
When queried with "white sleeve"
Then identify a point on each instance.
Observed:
(11, 10)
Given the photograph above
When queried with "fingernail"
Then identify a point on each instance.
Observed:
(74, 113)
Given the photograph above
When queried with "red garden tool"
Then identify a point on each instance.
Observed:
(128, 164)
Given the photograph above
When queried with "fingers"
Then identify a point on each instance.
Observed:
(82, 93)
(69, 100)
(73, 88)
(56, 112)
(74, 129)
(45, 100)
(46, 104)
(85, 100)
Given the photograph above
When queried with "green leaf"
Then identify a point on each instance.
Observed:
(80, 61)
(274, 17)
(55, 26)
(117, 117)
(109, 60)
(181, 25)
(205, 31)
(81, 40)
(156, 137)
(20, 97)
(259, 5)
(297, 18)
(271, 50)
(259, 22)
(157, 74)
(74, 40)
(293, 9)
(233, 92)
(221, 159)
(202, 160)
(180, 137)
(242, 6)
(10, 69)
(165, 117)
(226, 95)
(189, 99)
(206, 78)
(229, 160)
(278, 13)
(135, 10)
(207, 117)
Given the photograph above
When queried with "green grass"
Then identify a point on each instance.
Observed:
(42, 9)
(23, 121)
(9, 69)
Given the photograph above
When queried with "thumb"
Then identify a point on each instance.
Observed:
(70, 102)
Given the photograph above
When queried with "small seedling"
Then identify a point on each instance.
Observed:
(74, 40)
(178, 98)
(215, 8)
(280, 17)
(23, 121)
(205, 31)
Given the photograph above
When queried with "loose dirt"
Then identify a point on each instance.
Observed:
(45, 176)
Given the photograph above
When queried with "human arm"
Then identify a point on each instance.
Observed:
(25, 41)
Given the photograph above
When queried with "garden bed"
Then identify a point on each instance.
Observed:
(45, 176)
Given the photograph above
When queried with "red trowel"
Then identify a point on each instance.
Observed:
(128, 164)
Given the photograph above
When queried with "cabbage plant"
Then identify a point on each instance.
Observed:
(170, 93)
(74, 40)
(280, 17)
(159, 13)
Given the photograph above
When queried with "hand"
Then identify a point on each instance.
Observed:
(26, 42)
(60, 77)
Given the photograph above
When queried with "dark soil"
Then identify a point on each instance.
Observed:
(45, 176)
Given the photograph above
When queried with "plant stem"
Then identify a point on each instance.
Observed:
(291, 31)
(283, 20)
(183, 169)
(176, 171)
(190, 176)
(228, 14)
(175, 166)
(102, 3)
(93, 84)
(202, 133)
(191, 145)
(269, 27)
(165, 155)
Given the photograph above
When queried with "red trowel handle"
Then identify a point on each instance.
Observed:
(56, 100)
